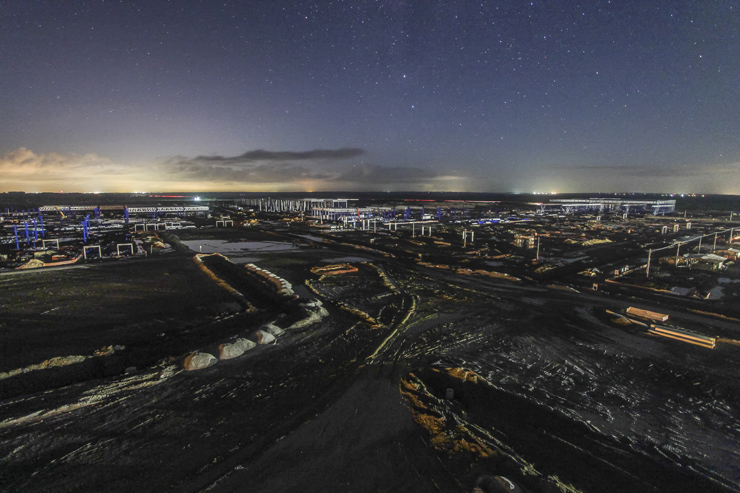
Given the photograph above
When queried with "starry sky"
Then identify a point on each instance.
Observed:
(422, 95)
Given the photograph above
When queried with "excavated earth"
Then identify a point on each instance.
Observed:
(416, 379)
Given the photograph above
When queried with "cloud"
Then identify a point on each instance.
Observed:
(357, 176)
(286, 168)
(258, 166)
(190, 170)
(319, 169)
(261, 155)
(28, 165)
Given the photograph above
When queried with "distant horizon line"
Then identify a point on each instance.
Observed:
(174, 194)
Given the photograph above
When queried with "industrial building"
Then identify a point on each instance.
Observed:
(267, 204)
(607, 205)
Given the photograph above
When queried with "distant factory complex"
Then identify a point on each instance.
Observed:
(596, 244)
(603, 205)
(557, 230)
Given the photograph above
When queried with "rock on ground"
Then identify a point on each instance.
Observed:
(263, 337)
(244, 344)
(235, 349)
(273, 329)
(198, 361)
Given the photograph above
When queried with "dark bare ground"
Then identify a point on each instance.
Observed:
(61, 312)
(365, 441)
(322, 411)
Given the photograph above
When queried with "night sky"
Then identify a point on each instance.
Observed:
(270, 95)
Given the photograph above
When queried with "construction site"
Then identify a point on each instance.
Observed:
(428, 343)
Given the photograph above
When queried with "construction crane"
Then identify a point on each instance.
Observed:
(61, 212)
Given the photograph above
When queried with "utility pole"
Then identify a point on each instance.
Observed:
(538, 248)
(678, 247)
(715, 242)
(647, 270)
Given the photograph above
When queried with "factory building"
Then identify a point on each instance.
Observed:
(606, 205)
(267, 204)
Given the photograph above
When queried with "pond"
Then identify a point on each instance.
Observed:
(494, 263)
(231, 247)
(716, 293)
(727, 280)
